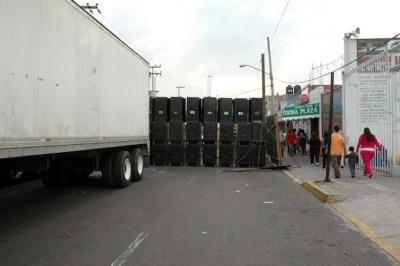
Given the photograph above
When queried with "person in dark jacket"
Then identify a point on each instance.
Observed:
(296, 143)
(315, 146)
(352, 159)
(324, 149)
(302, 141)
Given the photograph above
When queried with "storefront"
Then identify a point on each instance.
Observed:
(304, 116)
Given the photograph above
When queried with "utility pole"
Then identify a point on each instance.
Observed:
(272, 79)
(263, 86)
(328, 162)
(179, 90)
(209, 85)
(92, 7)
(153, 74)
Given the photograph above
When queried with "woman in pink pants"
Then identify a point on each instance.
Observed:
(366, 146)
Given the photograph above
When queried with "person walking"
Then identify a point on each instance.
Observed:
(366, 145)
(302, 141)
(315, 146)
(290, 141)
(296, 142)
(342, 158)
(283, 141)
(352, 160)
(324, 148)
(337, 148)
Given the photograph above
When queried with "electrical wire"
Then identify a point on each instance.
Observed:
(328, 73)
(244, 92)
(344, 65)
(280, 19)
(349, 63)
(122, 36)
(276, 28)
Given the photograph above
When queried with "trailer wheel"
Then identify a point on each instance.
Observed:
(138, 164)
(106, 169)
(47, 178)
(122, 169)
(56, 175)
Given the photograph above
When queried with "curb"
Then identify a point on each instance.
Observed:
(312, 188)
(291, 176)
(365, 229)
(318, 192)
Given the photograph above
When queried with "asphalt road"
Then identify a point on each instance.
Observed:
(178, 216)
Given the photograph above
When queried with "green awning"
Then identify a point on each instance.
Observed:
(306, 111)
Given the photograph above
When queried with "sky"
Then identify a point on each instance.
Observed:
(194, 39)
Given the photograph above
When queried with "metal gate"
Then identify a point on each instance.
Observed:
(273, 142)
(371, 94)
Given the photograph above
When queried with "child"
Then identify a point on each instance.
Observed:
(352, 160)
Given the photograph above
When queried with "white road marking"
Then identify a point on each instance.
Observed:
(192, 180)
(268, 202)
(204, 233)
(131, 248)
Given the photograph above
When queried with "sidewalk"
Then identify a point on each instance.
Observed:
(375, 201)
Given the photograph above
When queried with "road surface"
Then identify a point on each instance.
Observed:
(178, 216)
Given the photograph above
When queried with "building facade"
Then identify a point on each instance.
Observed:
(371, 97)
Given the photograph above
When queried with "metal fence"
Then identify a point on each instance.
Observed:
(273, 142)
(371, 98)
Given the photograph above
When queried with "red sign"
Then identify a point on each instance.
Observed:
(304, 98)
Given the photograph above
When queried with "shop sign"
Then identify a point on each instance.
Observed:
(303, 111)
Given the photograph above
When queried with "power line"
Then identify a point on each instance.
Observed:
(280, 19)
(170, 77)
(344, 65)
(328, 73)
(244, 92)
(123, 36)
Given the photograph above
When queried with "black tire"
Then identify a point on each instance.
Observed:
(106, 169)
(122, 169)
(55, 176)
(138, 165)
(6, 178)
(47, 178)
(51, 177)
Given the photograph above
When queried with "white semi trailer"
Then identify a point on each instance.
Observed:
(73, 96)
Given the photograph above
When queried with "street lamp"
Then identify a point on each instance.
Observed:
(256, 68)
(272, 91)
(179, 90)
(209, 85)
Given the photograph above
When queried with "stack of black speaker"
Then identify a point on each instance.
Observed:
(226, 132)
(159, 130)
(243, 133)
(176, 147)
(251, 133)
(207, 132)
(210, 131)
(259, 133)
(193, 131)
